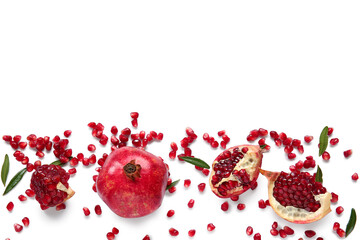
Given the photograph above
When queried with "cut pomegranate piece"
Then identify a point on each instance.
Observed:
(296, 196)
(236, 170)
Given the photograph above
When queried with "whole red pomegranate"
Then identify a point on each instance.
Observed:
(236, 170)
(50, 184)
(297, 197)
(132, 182)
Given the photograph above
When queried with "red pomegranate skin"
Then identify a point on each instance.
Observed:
(137, 197)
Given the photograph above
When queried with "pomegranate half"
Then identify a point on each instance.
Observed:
(297, 197)
(236, 170)
(132, 182)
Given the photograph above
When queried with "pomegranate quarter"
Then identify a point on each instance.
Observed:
(236, 170)
(297, 197)
(132, 182)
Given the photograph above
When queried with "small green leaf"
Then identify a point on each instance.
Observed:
(323, 140)
(57, 162)
(319, 175)
(263, 146)
(172, 184)
(351, 224)
(15, 180)
(5, 169)
(195, 161)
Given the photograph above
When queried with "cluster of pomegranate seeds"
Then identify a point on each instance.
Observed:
(289, 143)
(174, 148)
(111, 235)
(44, 182)
(340, 232)
(282, 232)
(134, 121)
(215, 144)
(297, 189)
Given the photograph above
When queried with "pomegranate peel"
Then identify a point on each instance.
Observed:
(236, 170)
(295, 214)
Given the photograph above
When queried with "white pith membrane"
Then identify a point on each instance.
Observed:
(69, 191)
(250, 163)
(299, 215)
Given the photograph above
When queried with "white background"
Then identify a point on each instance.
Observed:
(287, 66)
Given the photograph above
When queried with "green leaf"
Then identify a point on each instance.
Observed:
(351, 224)
(172, 184)
(323, 140)
(195, 161)
(263, 146)
(5, 169)
(15, 180)
(57, 162)
(319, 175)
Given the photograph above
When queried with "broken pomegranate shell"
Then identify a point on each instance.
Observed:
(297, 197)
(236, 170)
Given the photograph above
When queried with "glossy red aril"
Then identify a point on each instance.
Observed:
(236, 170)
(18, 227)
(210, 227)
(50, 184)
(132, 182)
(249, 230)
(347, 153)
(173, 232)
(296, 196)
(310, 233)
(26, 221)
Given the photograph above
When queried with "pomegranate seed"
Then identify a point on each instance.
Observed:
(18, 227)
(210, 227)
(173, 232)
(134, 114)
(26, 221)
(7, 138)
(206, 136)
(336, 226)
(67, 133)
(91, 147)
(282, 233)
(223, 144)
(262, 204)
(172, 154)
(172, 189)
(257, 236)
(355, 177)
(310, 233)
(187, 183)
(60, 207)
(22, 145)
(22, 198)
(72, 171)
(173, 146)
(347, 153)
(340, 232)
(86, 211)
(326, 156)
(147, 237)
(291, 155)
(98, 210)
(10, 206)
(221, 133)
(288, 149)
(201, 187)
(191, 232)
(274, 135)
(225, 206)
(215, 144)
(241, 206)
(234, 198)
(30, 193)
(170, 213)
(334, 197)
(110, 236)
(334, 141)
(226, 139)
(251, 138)
(261, 141)
(288, 230)
(308, 138)
(339, 210)
(320, 238)
(330, 131)
(278, 142)
(274, 232)
(205, 171)
(249, 230)
(134, 123)
(191, 203)
(275, 225)
(263, 132)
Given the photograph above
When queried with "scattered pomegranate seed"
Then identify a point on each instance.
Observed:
(67, 133)
(191, 232)
(187, 183)
(91, 147)
(275, 225)
(291, 155)
(257, 236)
(86, 211)
(172, 189)
(308, 138)
(225, 206)
(310, 233)
(201, 187)
(221, 133)
(241, 206)
(274, 232)
(170, 213)
(334, 141)
(18, 227)
(262, 204)
(249, 230)
(10, 206)
(30, 193)
(355, 177)
(339, 210)
(110, 236)
(325, 156)
(26, 221)
(173, 232)
(22, 198)
(336, 226)
(98, 210)
(147, 237)
(330, 131)
(340, 232)
(191, 203)
(60, 207)
(134, 114)
(288, 230)
(210, 227)
(334, 197)
(347, 153)
(134, 123)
